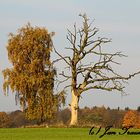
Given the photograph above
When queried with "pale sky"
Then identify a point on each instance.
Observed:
(118, 20)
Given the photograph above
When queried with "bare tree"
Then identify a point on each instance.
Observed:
(98, 74)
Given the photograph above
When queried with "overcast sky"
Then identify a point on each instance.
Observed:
(118, 20)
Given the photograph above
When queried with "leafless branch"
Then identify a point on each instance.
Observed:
(105, 88)
(59, 59)
(64, 75)
(113, 78)
(95, 75)
(64, 58)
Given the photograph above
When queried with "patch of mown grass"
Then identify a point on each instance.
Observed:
(60, 134)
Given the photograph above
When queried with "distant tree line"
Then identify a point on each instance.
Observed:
(95, 116)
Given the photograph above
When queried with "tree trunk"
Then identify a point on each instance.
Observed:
(74, 109)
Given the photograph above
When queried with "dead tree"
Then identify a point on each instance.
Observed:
(97, 74)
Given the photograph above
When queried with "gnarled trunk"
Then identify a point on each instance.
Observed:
(74, 109)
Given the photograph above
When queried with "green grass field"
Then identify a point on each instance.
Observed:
(59, 134)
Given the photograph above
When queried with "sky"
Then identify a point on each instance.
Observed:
(118, 20)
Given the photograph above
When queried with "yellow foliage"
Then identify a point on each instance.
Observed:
(131, 118)
(31, 77)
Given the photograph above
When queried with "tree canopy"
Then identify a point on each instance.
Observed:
(32, 76)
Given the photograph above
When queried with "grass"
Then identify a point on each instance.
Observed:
(59, 134)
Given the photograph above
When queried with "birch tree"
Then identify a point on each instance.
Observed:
(31, 77)
(97, 74)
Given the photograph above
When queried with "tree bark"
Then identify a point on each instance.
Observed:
(74, 109)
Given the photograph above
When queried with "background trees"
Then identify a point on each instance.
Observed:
(88, 117)
(131, 118)
(5, 120)
(90, 66)
(18, 119)
(32, 76)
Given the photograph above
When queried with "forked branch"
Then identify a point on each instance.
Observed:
(95, 74)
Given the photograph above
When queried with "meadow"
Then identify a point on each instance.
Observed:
(60, 134)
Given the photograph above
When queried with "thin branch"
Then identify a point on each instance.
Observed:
(59, 59)
(114, 78)
(95, 30)
(105, 88)
(62, 81)
(63, 74)
(64, 58)
(67, 87)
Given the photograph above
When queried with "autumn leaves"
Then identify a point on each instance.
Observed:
(131, 118)
(32, 76)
